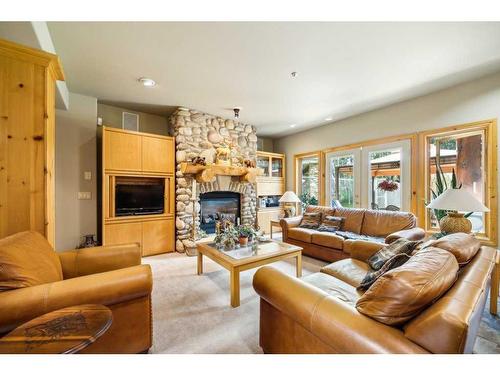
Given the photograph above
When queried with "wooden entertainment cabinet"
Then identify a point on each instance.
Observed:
(270, 184)
(125, 157)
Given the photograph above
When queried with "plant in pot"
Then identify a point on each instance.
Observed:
(227, 238)
(246, 233)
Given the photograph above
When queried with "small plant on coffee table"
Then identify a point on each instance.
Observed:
(245, 232)
(228, 236)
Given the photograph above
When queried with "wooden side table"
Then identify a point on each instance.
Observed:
(64, 331)
(273, 223)
(495, 281)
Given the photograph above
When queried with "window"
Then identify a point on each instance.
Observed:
(308, 177)
(460, 156)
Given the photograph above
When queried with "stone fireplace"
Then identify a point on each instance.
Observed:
(199, 134)
(219, 205)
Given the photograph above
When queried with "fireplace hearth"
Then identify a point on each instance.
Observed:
(216, 206)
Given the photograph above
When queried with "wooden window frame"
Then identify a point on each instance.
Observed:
(489, 127)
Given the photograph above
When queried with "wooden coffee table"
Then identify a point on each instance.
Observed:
(248, 257)
(64, 331)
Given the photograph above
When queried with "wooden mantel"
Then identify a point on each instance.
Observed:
(207, 173)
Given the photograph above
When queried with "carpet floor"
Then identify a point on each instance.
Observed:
(191, 313)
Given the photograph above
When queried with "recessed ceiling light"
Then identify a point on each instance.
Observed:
(293, 125)
(328, 119)
(147, 82)
(294, 74)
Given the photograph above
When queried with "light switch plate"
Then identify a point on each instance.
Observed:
(84, 195)
(87, 175)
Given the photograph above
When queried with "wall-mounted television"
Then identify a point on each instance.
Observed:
(139, 196)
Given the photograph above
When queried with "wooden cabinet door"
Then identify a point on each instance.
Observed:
(122, 233)
(264, 218)
(122, 151)
(158, 237)
(157, 155)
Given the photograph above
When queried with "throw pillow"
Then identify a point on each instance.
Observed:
(393, 262)
(403, 292)
(400, 246)
(463, 246)
(331, 224)
(27, 259)
(310, 220)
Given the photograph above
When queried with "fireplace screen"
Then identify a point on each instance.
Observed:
(217, 206)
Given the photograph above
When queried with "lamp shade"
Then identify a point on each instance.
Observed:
(458, 200)
(289, 197)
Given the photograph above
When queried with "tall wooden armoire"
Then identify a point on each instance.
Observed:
(27, 139)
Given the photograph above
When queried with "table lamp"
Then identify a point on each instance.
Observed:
(456, 200)
(289, 199)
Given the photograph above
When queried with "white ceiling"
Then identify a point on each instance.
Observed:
(343, 68)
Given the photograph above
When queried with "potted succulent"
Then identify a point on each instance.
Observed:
(245, 232)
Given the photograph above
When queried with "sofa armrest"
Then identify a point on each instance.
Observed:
(99, 259)
(336, 323)
(18, 306)
(287, 223)
(362, 250)
(413, 234)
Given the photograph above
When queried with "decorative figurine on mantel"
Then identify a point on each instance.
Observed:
(223, 155)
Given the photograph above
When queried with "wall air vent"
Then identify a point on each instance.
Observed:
(130, 121)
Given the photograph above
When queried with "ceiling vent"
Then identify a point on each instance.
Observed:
(130, 121)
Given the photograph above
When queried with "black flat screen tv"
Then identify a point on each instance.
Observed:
(139, 199)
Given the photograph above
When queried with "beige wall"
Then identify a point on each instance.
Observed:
(148, 123)
(265, 144)
(75, 154)
(472, 101)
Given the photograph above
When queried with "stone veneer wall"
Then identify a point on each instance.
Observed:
(199, 134)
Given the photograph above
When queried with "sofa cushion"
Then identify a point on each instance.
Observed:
(356, 236)
(323, 210)
(351, 271)
(353, 218)
(400, 294)
(301, 234)
(327, 239)
(331, 224)
(395, 261)
(463, 246)
(380, 223)
(310, 220)
(27, 259)
(334, 287)
(402, 245)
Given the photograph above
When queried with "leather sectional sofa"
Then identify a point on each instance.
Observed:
(35, 280)
(376, 226)
(318, 314)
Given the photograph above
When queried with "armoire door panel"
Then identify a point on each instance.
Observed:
(158, 237)
(157, 155)
(122, 151)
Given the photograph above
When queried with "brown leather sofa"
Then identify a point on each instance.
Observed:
(110, 275)
(375, 226)
(317, 314)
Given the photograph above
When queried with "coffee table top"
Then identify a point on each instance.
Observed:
(250, 253)
(64, 331)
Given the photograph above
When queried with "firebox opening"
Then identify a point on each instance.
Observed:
(218, 205)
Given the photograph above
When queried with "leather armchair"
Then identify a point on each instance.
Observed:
(109, 275)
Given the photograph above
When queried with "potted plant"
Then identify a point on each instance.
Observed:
(245, 233)
(227, 238)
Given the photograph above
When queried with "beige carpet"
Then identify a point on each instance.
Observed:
(191, 314)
